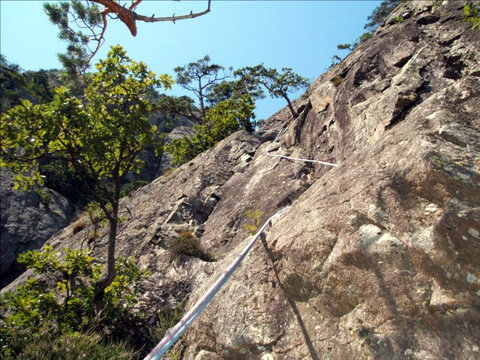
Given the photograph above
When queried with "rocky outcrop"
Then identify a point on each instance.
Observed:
(28, 219)
(376, 258)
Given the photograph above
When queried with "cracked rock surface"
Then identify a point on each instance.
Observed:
(377, 258)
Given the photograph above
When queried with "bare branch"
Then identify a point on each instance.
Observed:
(129, 16)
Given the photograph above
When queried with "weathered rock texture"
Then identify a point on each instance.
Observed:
(376, 258)
(28, 219)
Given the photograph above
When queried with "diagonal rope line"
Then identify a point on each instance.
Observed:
(174, 333)
(294, 158)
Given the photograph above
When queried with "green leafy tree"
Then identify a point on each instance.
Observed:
(278, 84)
(63, 298)
(199, 77)
(100, 136)
(83, 25)
(222, 120)
(228, 89)
(171, 106)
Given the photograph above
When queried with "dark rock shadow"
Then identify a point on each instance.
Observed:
(291, 302)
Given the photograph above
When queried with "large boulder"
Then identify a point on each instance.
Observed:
(28, 220)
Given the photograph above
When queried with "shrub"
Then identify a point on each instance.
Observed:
(187, 244)
(63, 298)
(255, 216)
(471, 14)
(337, 80)
(44, 196)
(47, 345)
(219, 122)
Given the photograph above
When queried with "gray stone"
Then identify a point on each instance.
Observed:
(376, 258)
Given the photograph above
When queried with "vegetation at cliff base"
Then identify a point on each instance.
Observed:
(59, 306)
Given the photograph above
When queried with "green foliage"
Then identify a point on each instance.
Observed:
(100, 135)
(80, 23)
(380, 13)
(232, 89)
(167, 319)
(174, 105)
(399, 19)
(131, 186)
(471, 14)
(60, 175)
(199, 77)
(337, 80)
(254, 215)
(365, 36)
(63, 298)
(44, 196)
(46, 345)
(11, 83)
(278, 84)
(224, 119)
(344, 47)
(187, 244)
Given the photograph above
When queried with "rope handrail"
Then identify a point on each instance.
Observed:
(174, 333)
(294, 158)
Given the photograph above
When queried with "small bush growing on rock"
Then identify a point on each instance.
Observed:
(188, 244)
(44, 196)
(255, 216)
(337, 80)
(471, 14)
(167, 319)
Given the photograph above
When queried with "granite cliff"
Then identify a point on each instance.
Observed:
(378, 257)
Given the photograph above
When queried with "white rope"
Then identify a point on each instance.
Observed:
(174, 333)
(293, 158)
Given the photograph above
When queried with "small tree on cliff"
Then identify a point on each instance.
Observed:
(278, 84)
(228, 116)
(100, 136)
(199, 77)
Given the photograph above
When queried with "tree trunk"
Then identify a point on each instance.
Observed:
(290, 106)
(110, 274)
(200, 98)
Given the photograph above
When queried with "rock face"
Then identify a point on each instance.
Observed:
(376, 258)
(28, 219)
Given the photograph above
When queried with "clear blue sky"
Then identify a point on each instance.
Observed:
(302, 35)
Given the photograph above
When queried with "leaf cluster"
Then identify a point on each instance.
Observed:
(99, 136)
(200, 77)
(62, 297)
(80, 23)
(227, 117)
(278, 83)
(254, 215)
(471, 14)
